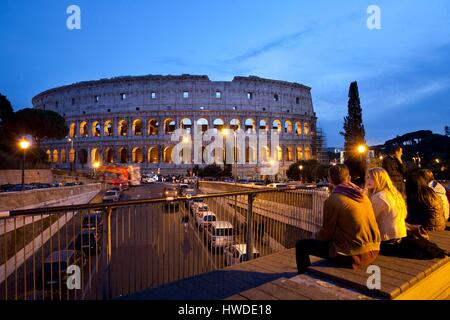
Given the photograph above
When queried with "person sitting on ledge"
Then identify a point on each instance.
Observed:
(349, 235)
(390, 209)
(425, 208)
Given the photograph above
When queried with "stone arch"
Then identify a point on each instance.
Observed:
(218, 124)
(63, 156)
(235, 124)
(169, 125)
(137, 127)
(279, 155)
(96, 129)
(202, 124)
(83, 156)
(122, 128)
(152, 127)
(49, 156)
(306, 128)
(55, 157)
(108, 128)
(299, 153)
(276, 125)
(136, 155)
(153, 156)
(186, 124)
(288, 127)
(307, 153)
(123, 155)
(289, 154)
(95, 156)
(84, 131)
(249, 124)
(109, 155)
(298, 128)
(250, 155)
(168, 154)
(73, 130)
(263, 124)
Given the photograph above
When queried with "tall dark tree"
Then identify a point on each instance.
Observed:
(354, 135)
(6, 109)
(40, 124)
(447, 131)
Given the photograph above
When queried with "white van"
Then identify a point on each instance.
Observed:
(204, 218)
(220, 234)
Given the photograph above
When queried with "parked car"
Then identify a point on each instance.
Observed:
(203, 219)
(237, 253)
(111, 196)
(56, 264)
(118, 189)
(93, 221)
(200, 208)
(220, 234)
(88, 241)
(170, 193)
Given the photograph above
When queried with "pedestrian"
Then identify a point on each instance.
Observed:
(396, 169)
(389, 208)
(425, 209)
(349, 235)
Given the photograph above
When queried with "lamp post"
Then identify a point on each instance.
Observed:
(24, 145)
(72, 163)
(300, 167)
(96, 165)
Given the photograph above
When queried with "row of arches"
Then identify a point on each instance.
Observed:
(152, 155)
(169, 125)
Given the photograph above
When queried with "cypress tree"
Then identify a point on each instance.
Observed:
(354, 135)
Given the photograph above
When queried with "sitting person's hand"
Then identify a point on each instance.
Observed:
(417, 232)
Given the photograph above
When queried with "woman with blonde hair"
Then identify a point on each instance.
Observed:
(389, 208)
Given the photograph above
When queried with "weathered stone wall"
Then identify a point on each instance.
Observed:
(31, 176)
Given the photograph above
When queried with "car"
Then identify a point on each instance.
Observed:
(220, 234)
(88, 241)
(125, 185)
(118, 189)
(182, 187)
(111, 196)
(202, 219)
(56, 264)
(237, 253)
(277, 185)
(194, 203)
(170, 193)
(93, 221)
(69, 184)
(200, 207)
(189, 192)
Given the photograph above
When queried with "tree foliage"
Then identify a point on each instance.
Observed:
(311, 171)
(40, 124)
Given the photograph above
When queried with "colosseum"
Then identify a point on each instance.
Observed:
(129, 120)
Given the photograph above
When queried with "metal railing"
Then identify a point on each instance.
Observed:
(108, 250)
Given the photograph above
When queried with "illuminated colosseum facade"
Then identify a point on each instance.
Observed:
(130, 119)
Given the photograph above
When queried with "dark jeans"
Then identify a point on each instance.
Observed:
(305, 248)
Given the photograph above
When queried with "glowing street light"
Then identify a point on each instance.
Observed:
(96, 165)
(361, 149)
(24, 144)
(437, 161)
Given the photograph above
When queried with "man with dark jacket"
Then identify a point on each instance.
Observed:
(396, 169)
(349, 235)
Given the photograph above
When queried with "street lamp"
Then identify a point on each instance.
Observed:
(24, 144)
(95, 165)
(361, 149)
(300, 167)
(72, 163)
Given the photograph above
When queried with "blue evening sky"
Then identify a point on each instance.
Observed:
(403, 70)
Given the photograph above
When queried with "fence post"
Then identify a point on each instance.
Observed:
(249, 234)
(106, 256)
